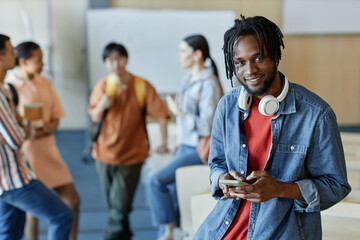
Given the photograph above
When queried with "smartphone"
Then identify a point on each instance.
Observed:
(233, 183)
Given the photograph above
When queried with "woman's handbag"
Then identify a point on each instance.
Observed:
(203, 148)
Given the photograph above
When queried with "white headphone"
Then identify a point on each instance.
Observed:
(268, 104)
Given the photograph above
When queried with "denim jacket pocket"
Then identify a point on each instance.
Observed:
(289, 162)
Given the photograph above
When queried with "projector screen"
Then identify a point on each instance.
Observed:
(152, 38)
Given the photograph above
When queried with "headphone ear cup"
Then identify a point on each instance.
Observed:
(244, 100)
(268, 105)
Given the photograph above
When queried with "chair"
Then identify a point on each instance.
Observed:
(201, 206)
(190, 180)
(341, 221)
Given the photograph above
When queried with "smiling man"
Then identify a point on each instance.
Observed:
(277, 136)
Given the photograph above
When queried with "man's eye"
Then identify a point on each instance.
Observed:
(258, 59)
(239, 63)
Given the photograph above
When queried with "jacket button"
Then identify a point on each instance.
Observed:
(244, 145)
(227, 222)
(242, 172)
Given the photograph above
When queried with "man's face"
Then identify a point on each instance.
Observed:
(8, 56)
(254, 72)
(116, 63)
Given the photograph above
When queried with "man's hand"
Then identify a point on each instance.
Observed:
(264, 189)
(228, 191)
(106, 102)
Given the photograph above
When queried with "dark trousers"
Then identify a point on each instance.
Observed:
(118, 183)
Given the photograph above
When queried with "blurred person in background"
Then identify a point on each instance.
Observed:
(194, 109)
(45, 160)
(121, 102)
(20, 191)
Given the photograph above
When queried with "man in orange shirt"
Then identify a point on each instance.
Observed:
(122, 145)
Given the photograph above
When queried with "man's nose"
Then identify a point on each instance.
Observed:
(250, 68)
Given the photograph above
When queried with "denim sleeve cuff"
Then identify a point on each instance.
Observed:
(214, 186)
(311, 197)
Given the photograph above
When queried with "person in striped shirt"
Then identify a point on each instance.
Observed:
(20, 191)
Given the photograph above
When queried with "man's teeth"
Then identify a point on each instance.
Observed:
(253, 80)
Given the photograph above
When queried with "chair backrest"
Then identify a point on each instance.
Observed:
(201, 206)
(190, 180)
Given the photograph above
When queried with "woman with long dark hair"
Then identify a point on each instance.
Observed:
(194, 108)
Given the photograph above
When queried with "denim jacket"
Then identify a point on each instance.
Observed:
(306, 149)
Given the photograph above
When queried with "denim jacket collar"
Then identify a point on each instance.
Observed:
(287, 106)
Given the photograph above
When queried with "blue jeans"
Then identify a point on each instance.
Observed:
(162, 186)
(38, 200)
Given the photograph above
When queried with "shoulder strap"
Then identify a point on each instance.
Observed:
(140, 91)
(197, 98)
(139, 85)
(14, 94)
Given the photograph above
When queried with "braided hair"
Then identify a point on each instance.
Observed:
(267, 33)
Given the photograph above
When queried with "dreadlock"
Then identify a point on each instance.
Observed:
(267, 33)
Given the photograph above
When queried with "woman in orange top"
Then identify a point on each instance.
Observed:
(41, 149)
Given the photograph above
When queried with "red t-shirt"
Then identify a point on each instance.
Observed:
(257, 129)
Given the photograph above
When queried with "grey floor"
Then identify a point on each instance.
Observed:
(92, 210)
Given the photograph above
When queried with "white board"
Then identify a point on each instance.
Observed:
(152, 38)
(321, 17)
